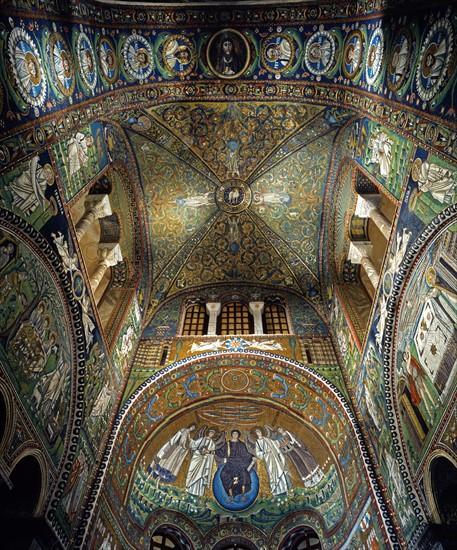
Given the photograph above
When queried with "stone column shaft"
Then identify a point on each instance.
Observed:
(213, 309)
(110, 256)
(370, 270)
(96, 206)
(256, 308)
(368, 207)
(359, 253)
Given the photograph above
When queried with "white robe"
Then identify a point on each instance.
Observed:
(201, 466)
(278, 475)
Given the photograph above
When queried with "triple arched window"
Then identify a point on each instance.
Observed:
(235, 317)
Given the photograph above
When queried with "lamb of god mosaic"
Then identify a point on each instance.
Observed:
(233, 196)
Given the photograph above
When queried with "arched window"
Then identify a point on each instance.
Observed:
(164, 541)
(195, 321)
(275, 320)
(168, 537)
(444, 487)
(235, 319)
(303, 538)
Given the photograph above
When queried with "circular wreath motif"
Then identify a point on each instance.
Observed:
(107, 59)
(432, 71)
(26, 65)
(138, 57)
(234, 379)
(62, 67)
(352, 54)
(400, 59)
(278, 53)
(233, 196)
(86, 61)
(374, 56)
(320, 53)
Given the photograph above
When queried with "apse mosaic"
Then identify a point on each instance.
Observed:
(235, 454)
(236, 464)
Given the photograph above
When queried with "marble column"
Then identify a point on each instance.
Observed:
(213, 309)
(110, 255)
(368, 207)
(256, 308)
(96, 206)
(359, 253)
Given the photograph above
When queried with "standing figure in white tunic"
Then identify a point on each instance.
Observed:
(201, 463)
(269, 451)
(168, 461)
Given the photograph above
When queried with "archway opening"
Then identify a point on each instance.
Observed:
(21, 499)
(444, 487)
(304, 538)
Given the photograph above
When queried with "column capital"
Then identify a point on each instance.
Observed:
(366, 204)
(256, 307)
(110, 253)
(359, 250)
(99, 204)
(213, 308)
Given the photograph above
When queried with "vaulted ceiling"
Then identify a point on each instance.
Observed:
(234, 191)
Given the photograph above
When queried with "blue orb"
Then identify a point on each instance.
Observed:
(237, 504)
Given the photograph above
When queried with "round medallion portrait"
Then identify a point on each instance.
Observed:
(320, 53)
(233, 196)
(352, 54)
(138, 57)
(374, 56)
(228, 54)
(178, 55)
(26, 65)
(62, 67)
(278, 53)
(108, 60)
(86, 60)
(400, 59)
(435, 58)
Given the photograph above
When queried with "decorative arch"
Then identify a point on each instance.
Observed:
(38, 456)
(405, 271)
(186, 387)
(7, 422)
(53, 268)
